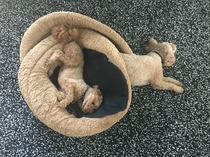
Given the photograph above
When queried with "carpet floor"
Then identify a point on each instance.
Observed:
(158, 123)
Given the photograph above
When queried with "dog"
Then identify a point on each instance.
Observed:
(142, 69)
(70, 79)
(147, 69)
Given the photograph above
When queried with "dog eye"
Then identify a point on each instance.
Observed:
(93, 103)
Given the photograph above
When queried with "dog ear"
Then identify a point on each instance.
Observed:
(60, 32)
(95, 86)
(173, 47)
(151, 45)
(73, 33)
(97, 90)
(80, 102)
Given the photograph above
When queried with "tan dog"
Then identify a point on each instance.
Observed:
(61, 33)
(81, 36)
(70, 79)
(142, 69)
(147, 69)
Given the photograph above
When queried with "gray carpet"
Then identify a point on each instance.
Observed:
(159, 123)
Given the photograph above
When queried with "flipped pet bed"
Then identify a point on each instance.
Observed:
(103, 66)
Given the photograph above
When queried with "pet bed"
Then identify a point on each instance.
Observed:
(103, 66)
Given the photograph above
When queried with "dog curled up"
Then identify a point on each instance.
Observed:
(70, 78)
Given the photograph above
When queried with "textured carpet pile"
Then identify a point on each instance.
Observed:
(159, 123)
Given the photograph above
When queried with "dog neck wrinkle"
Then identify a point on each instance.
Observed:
(158, 55)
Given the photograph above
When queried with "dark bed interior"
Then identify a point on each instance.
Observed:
(99, 70)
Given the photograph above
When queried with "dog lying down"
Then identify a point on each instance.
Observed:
(142, 70)
(147, 69)
(70, 79)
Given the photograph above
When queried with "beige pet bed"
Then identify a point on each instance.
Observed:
(39, 91)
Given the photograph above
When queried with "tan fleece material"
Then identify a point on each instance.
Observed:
(40, 94)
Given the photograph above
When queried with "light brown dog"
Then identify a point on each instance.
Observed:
(147, 69)
(85, 38)
(142, 69)
(66, 33)
(70, 79)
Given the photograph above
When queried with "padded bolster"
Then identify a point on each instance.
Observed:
(39, 92)
(42, 28)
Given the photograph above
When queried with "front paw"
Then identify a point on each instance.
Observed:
(179, 83)
(50, 72)
(61, 95)
(179, 90)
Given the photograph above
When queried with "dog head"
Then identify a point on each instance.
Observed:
(165, 49)
(92, 100)
(64, 33)
(61, 33)
(71, 48)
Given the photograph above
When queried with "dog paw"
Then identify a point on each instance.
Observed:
(179, 83)
(61, 96)
(179, 90)
(50, 72)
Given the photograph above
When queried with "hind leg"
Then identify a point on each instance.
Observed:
(162, 85)
(167, 84)
(68, 96)
(171, 80)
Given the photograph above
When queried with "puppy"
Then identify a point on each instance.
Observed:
(70, 79)
(83, 37)
(147, 69)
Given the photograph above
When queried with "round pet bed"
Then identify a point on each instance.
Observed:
(103, 66)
